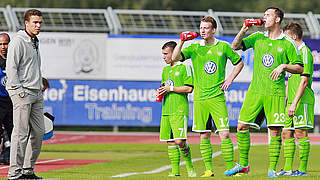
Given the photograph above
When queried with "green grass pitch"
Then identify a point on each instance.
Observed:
(129, 158)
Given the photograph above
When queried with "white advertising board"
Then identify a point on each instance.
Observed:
(73, 55)
(316, 90)
(134, 59)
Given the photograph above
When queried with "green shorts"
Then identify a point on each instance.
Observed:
(210, 109)
(173, 127)
(257, 107)
(303, 119)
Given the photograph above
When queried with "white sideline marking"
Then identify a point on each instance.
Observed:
(52, 160)
(41, 162)
(164, 168)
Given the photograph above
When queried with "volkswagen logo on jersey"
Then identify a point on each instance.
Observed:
(4, 81)
(267, 60)
(210, 67)
(289, 75)
(170, 82)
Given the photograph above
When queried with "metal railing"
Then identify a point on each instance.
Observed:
(159, 22)
(120, 21)
(5, 23)
(66, 20)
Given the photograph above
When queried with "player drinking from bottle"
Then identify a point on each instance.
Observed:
(178, 82)
(209, 57)
(265, 98)
(300, 107)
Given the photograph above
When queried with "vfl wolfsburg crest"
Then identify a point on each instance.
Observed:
(267, 60)
(210, 67)
(170, 82)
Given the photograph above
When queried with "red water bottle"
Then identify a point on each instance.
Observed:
(256, 22)
(188, 36)
(159, 98)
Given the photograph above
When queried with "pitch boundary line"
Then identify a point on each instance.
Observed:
(164, 168)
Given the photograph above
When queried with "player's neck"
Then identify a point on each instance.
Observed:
(173, 63)
(299, 42)
(274, 32)
(209, 41)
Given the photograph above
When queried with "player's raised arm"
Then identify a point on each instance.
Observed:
(237, 42)
(176, 55)
(185, 36)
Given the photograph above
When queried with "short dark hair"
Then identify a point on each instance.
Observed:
(210, 20)
(5, 34)
(295, 28)
(170, 44)
(278, 12)
(31, 12)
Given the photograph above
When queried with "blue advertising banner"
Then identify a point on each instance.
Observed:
(118, 103)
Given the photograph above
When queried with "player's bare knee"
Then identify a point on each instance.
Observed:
(205, 135)
(287, 134)
(242, 127)
(171, 143)
(301, 133)
(180, 143)
(275, 131)
(224, 134)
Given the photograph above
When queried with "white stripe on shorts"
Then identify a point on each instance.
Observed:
(305, 110)
(185, 126)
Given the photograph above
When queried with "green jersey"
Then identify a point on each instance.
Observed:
(294, 79)
(268, 55)
(176, 103)
(209, 64)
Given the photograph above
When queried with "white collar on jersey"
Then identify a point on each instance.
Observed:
(214, 43)
(301, 46)
(282, 35)
(178, 63)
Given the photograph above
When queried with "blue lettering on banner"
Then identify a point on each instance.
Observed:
(106, 103)
(119, 103)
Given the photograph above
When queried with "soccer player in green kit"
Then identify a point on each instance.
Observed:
(209, 57)
(265, 98)
(178, 80)
(300, 107)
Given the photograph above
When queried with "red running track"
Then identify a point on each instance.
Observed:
(131, 138)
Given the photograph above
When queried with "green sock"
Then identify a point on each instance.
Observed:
(274, 151)
(289, 149)
(243, 138)
(227, 152)
(174, 156)
(186, 154)
(206, 153)
(304, 149)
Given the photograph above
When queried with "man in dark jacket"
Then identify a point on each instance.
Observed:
(5, 103)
